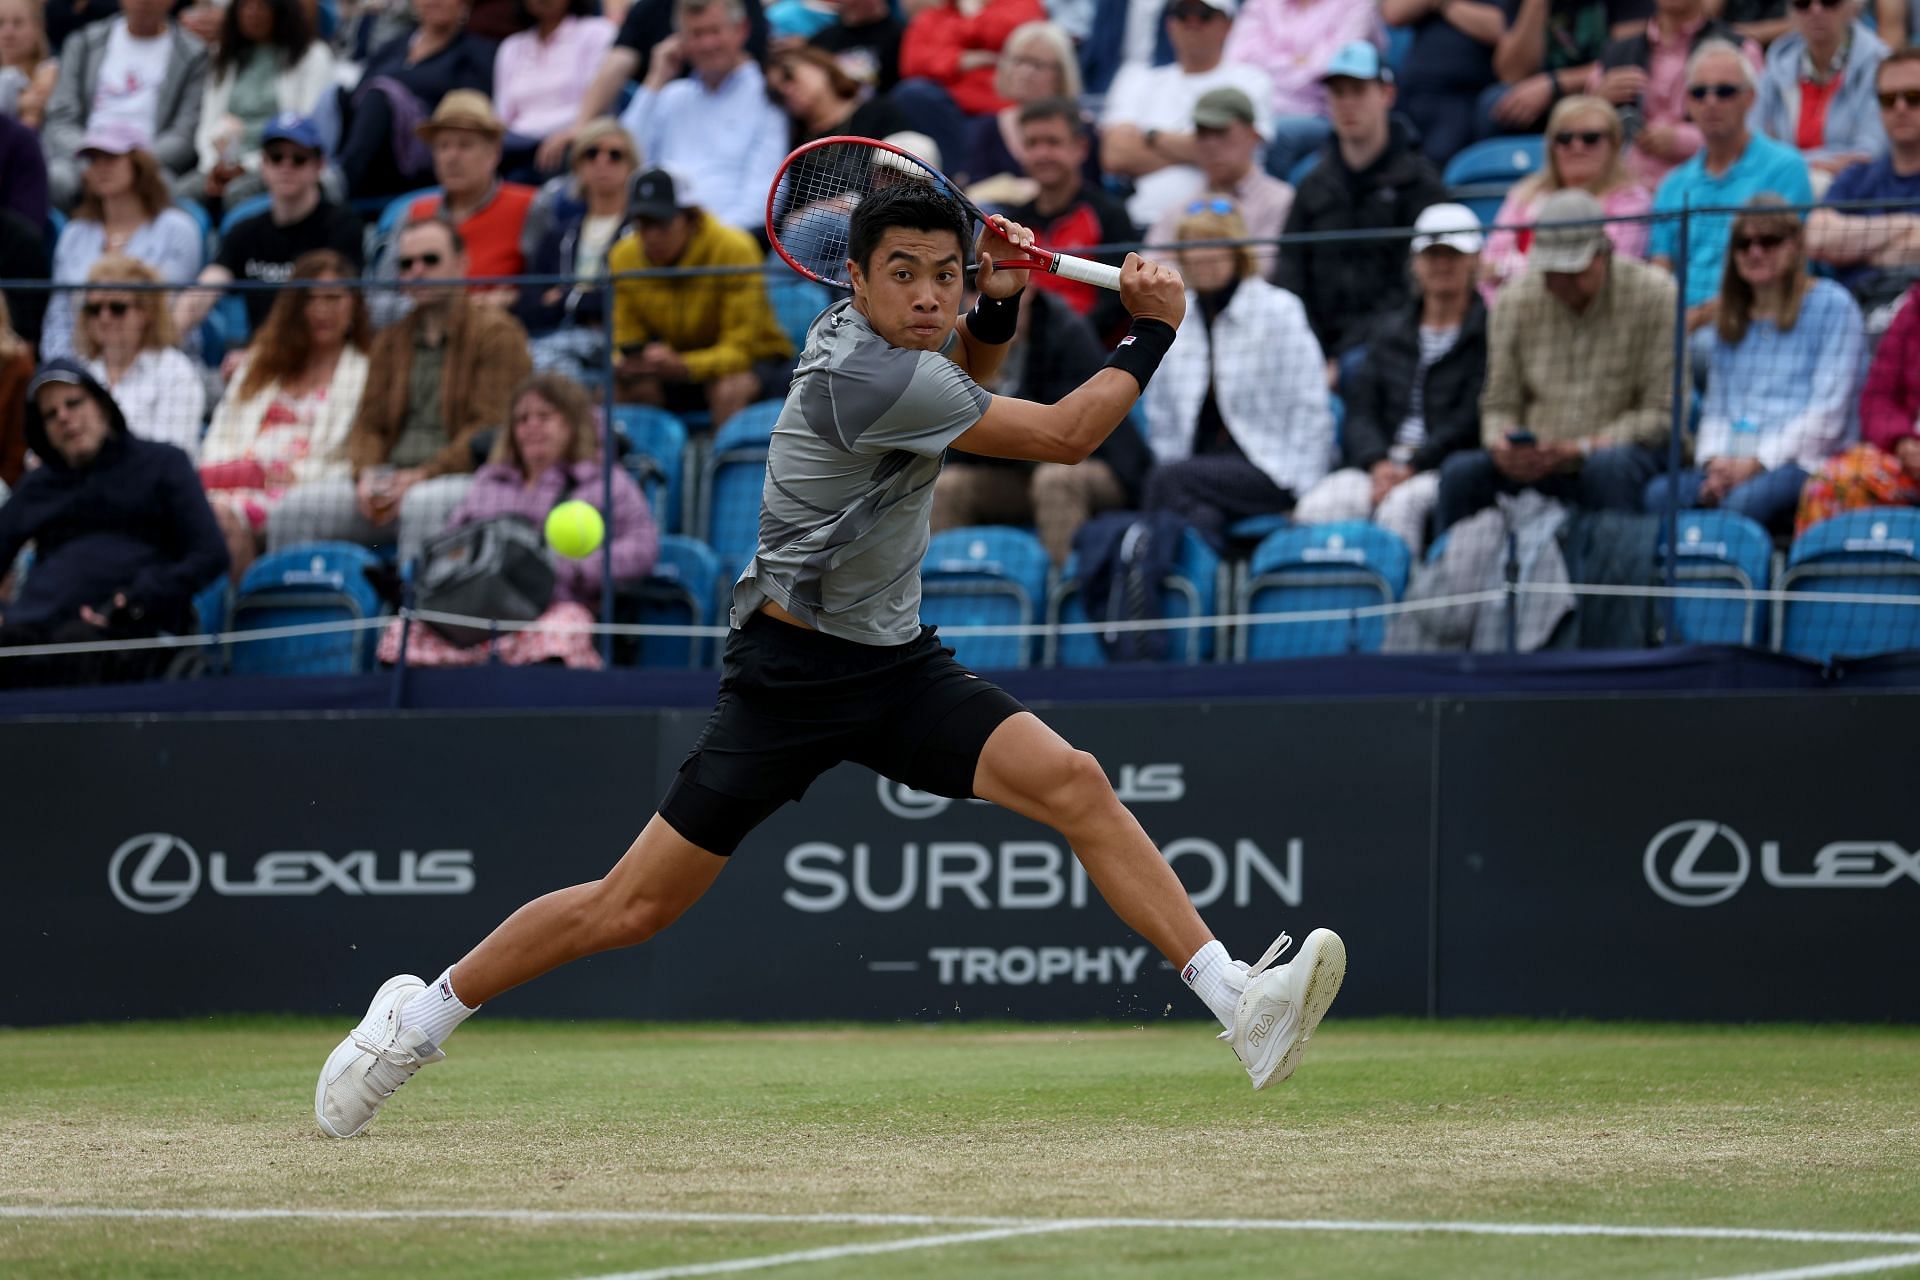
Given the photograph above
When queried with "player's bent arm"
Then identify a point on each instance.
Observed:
(981, 360)
(1068, 431)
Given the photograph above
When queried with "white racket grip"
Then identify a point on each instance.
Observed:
(1087, 271)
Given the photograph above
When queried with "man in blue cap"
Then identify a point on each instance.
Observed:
(298, 218)
(1370, 177)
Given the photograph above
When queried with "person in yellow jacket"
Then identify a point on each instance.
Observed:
(692, 343)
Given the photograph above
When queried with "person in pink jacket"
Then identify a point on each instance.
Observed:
(548, 455)
(1884, 471)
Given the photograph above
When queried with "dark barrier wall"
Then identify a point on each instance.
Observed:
(1705, 856)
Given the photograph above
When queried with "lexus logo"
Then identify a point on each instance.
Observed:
(1697, 863)
(902, 801)
(136, 870)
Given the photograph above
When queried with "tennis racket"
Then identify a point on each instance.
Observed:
(810, 210)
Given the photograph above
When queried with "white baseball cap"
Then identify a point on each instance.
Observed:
(1450, 226)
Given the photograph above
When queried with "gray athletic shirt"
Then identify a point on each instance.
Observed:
(843, 523)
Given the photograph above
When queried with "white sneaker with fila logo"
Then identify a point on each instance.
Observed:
(1281, 1007)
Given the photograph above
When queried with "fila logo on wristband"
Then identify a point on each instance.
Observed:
(1188, 974)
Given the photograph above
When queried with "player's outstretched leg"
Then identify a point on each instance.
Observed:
(1269, 1012)
(659, 877)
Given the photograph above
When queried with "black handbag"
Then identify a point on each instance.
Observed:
(493, 568)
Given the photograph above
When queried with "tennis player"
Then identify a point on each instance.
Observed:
(828, 661)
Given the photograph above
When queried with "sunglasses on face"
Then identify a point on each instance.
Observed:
(1766, 242)
(1194, 13)
(1701, 92)
(115, 309)
(423, 260)
(614, 154)
(291, 159)
(1216, 205)
(1904, 97)
(1585, 137)
(1804, 5)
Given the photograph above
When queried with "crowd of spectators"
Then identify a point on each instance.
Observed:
(1329, 367)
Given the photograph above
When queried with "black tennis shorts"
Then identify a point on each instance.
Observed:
(793, 703)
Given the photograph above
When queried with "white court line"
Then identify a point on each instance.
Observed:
(1854, 1267)
(830, 1253)
(637, 1216)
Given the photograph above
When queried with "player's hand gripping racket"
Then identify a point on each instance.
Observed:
(810, 210)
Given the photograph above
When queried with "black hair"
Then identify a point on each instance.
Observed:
(438, 218)
(292, 35)
(921, 206)
(1056, 108)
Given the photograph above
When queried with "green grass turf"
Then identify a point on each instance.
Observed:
(1805, 1128)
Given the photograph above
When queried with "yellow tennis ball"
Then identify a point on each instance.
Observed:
(574, 529)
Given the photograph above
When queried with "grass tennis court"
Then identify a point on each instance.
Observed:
(545, 1150)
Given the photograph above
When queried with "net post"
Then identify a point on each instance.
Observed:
(605, 284)
(1670, 513)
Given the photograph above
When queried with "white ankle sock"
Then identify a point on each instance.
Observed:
(1217, 979)
(436, 1010)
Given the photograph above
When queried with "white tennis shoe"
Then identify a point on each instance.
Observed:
(376, 1058)
(1280, 1008)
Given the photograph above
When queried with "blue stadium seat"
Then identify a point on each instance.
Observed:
(396, 209)
(795, 304)
(1255, 528)
(1874, 552)
(1479, 175)
(730, 485)
(211, 605)
(1346, 565)
(683, 591)
(1302, 167)
(991, 575)
(252, 207)
(202, 219)
(313, 582)
(1192, 590)
(1496, 160)
(1725, 552)
(1399, 45)
(657, 459)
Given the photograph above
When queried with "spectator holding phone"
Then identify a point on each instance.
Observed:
(1579, 374)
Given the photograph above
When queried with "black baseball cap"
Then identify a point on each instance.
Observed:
(654, 196)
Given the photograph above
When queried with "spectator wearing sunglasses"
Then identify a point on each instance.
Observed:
(1817, 91)
(1645, 77)
(571, 227)
(129, 345)
(1226, 146)
(434, 380)
(1584, 152)
(1733, 166)
(1877, 250)
(1783, 373)
(298, 219)
(267, 63)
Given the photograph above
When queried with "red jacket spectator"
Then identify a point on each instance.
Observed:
(1891, 402)
(961, 53)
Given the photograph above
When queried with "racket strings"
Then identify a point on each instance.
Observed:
(811, 216)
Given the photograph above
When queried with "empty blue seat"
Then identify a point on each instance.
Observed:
(731, 484)
(656, 458)
(252, 207)
(1727, 553)
(1317, 569)
(1873, 553)
(796, 301)
(683, 590)
(1191, 590)
(1479, 175)
(991, 575)
(313, 582)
